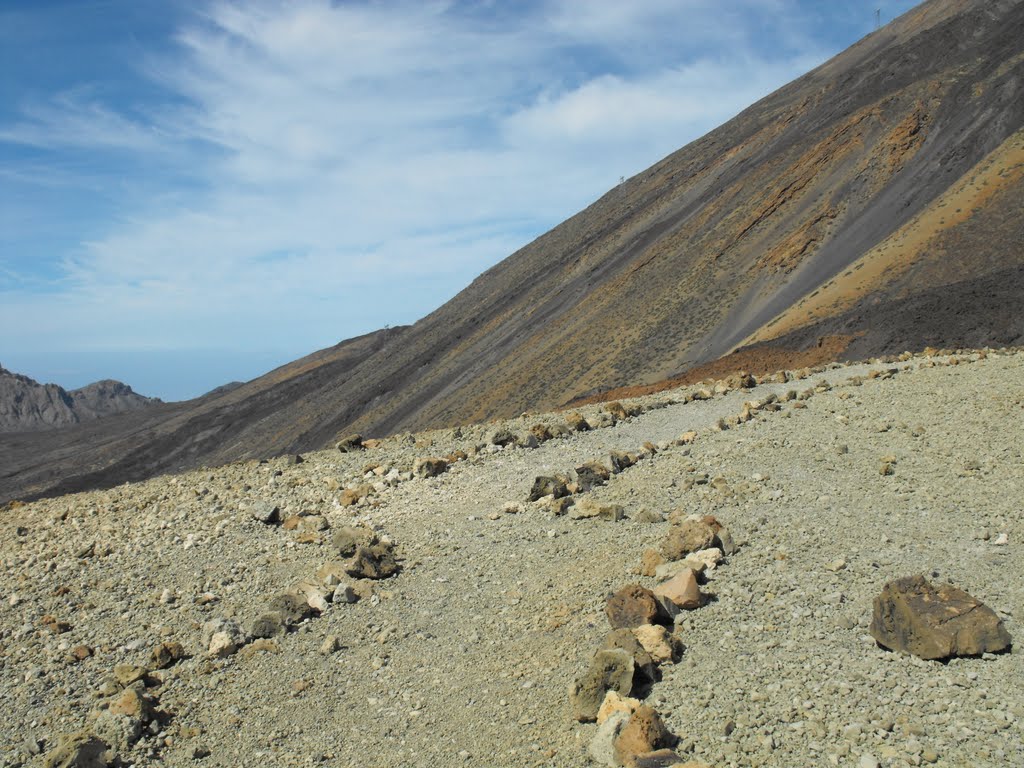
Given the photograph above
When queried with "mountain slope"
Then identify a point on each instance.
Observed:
(875, 202)
(696, 255)
(26, 404)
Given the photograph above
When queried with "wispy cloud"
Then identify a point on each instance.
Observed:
(355, 164)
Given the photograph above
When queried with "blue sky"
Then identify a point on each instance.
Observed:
(195, 192)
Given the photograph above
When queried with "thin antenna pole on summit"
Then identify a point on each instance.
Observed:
(878, 18)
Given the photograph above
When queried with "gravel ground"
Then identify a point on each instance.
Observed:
(466, 656)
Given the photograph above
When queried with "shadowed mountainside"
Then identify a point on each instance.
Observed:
(26, 404)
(874, 203)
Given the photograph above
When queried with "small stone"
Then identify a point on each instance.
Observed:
(166, 654)
(132, 703)
(351, 444)
(664, 647)
(266, 513)
(836, 565)
(1001, 540)
(430, 466)
(867, 760)
(616, 702)
(682, 590)
(331, 644)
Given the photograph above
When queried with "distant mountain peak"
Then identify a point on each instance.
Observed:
(26, 405)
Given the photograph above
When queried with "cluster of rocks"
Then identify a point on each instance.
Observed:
(130, 696)
(127, 713)
(626, 667)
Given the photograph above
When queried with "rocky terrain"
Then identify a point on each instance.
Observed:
(27, 405)
(225, 617)
(869, 207)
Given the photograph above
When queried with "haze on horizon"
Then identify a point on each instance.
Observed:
(194, 193)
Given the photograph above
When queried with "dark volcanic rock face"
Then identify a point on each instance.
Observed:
(28, 405)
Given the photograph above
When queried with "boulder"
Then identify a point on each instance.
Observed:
(602, 745)
(682, 590)
(643, 733)
(632, 606)
(935, 621)
(222, 637)
(549, 485)
(685, 537)
(610, 670)
(429, 466)
(645, 672)
(376, 561)
(591, 475)
(79, 750)
(576, 422)
(351, 444)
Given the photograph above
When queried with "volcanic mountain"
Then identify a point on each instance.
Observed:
(26, 404)
(871, 206)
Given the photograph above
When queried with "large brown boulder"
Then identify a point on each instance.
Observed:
(935, 621)
(632, 606)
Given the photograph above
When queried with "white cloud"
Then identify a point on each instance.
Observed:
(359, 163)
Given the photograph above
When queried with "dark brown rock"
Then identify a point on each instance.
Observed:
(935, 621)
(166, 654)
(632, 606)
(376, 561)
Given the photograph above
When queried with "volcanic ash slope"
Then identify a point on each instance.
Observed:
(466, 656)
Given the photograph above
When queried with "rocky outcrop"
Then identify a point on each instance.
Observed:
(27, 405)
